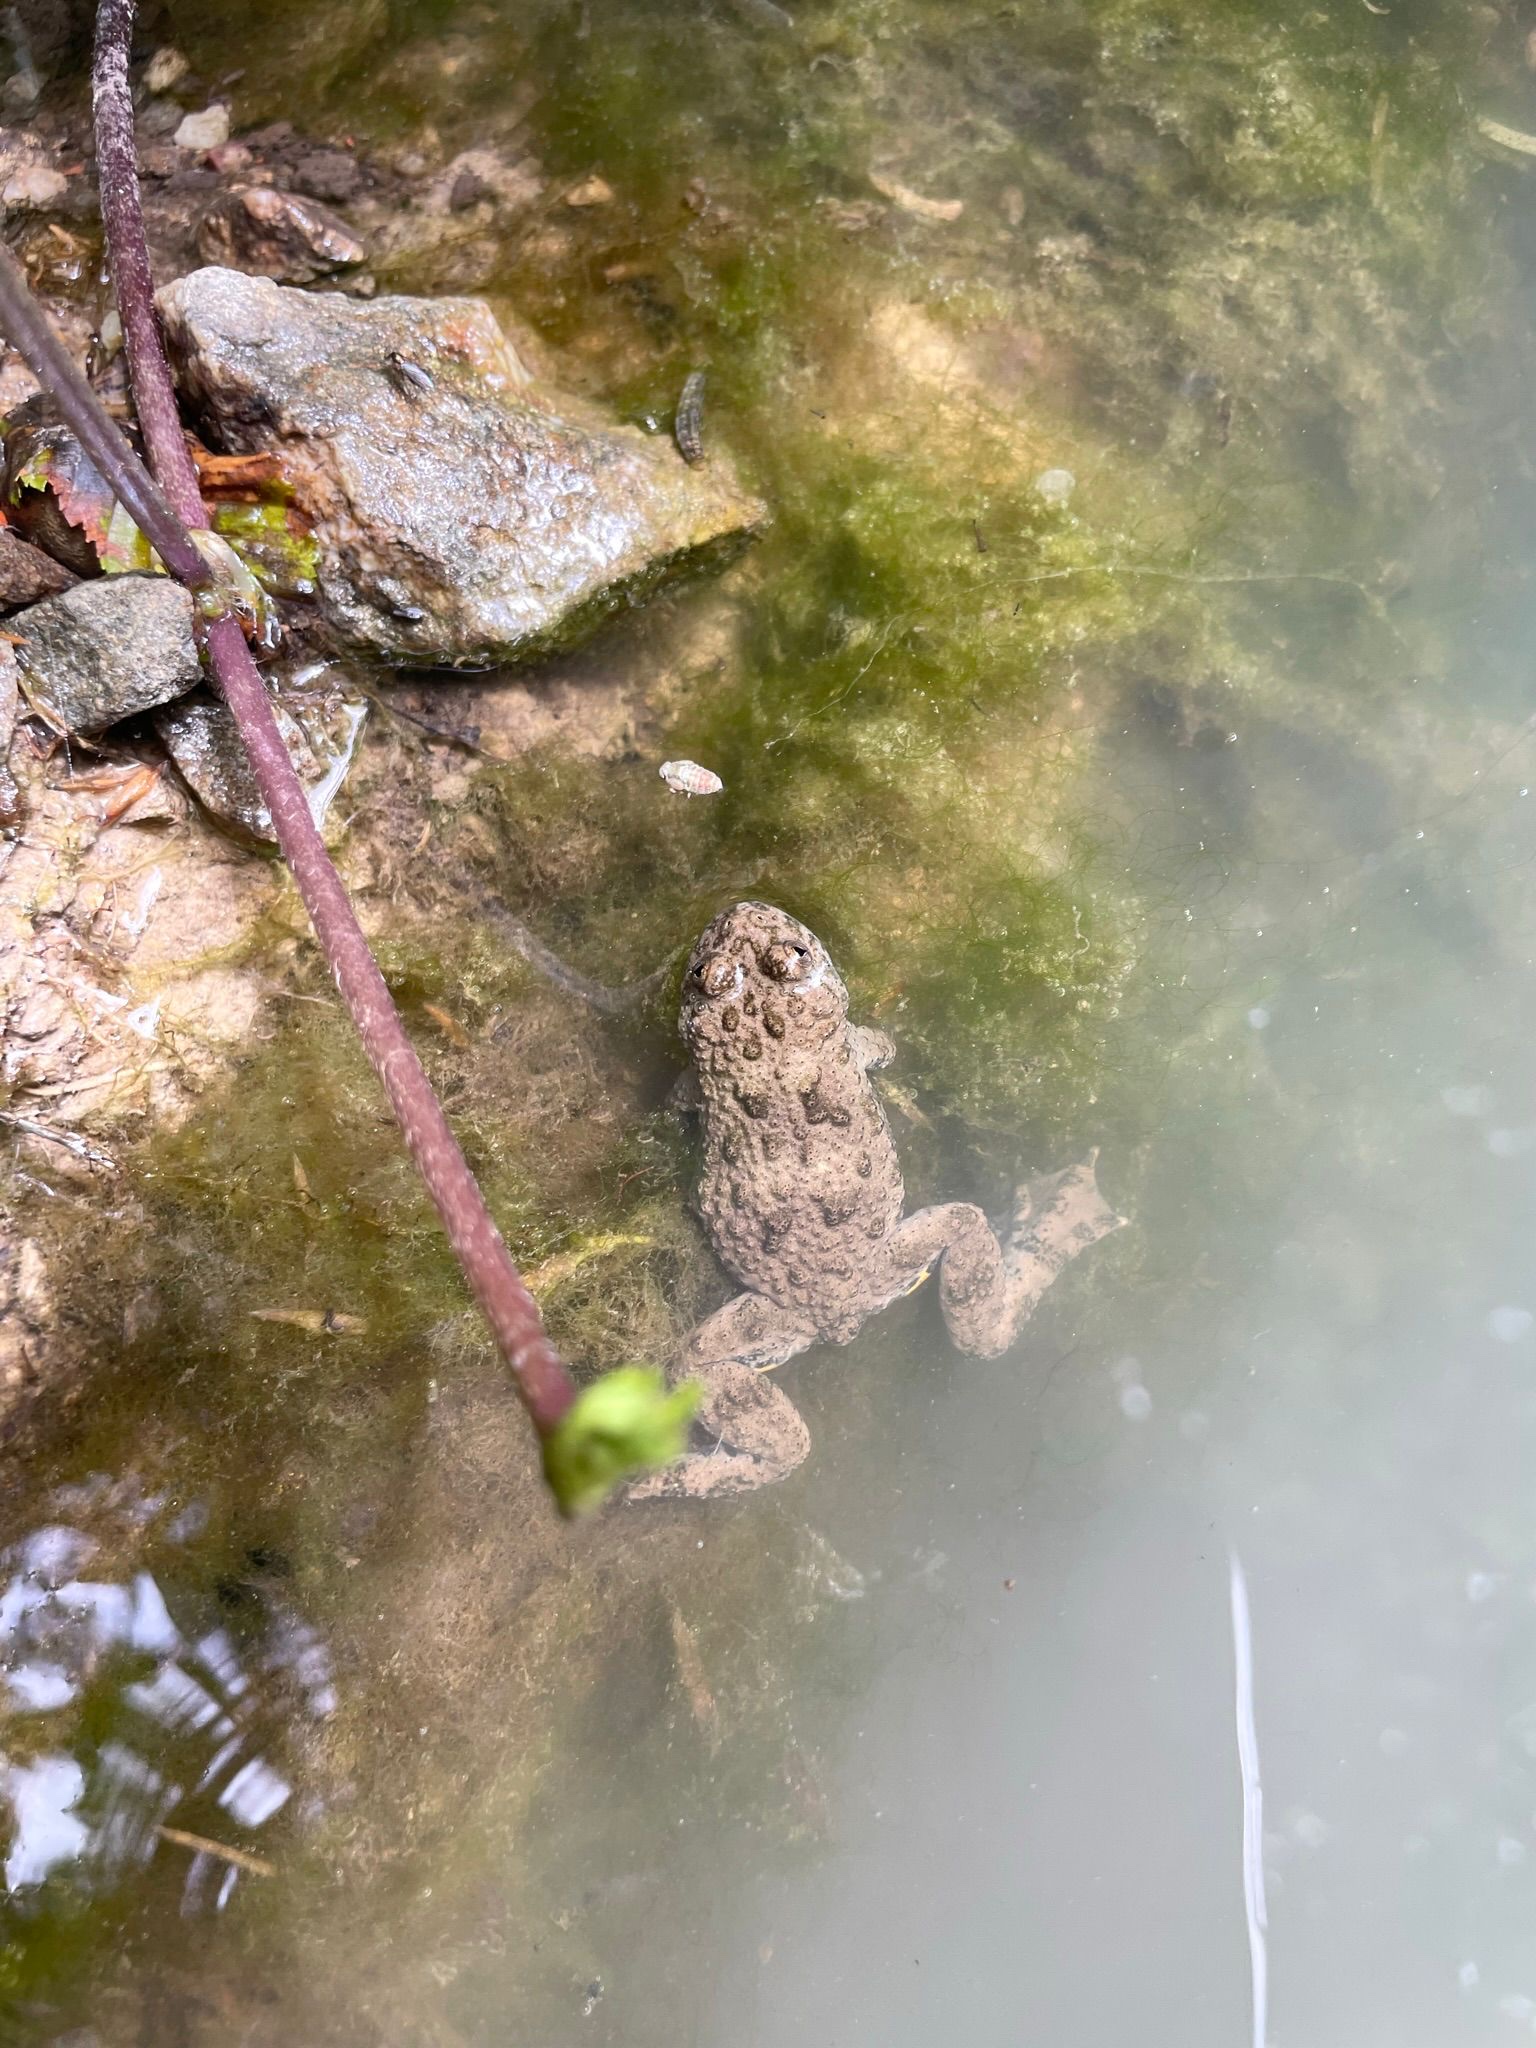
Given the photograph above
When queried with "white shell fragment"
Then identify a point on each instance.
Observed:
(687, 778)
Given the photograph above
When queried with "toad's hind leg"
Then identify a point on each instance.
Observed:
(747, 1432)
(988, 1289)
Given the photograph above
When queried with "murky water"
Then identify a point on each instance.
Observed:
(1134, 691)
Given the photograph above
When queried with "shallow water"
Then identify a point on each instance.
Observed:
(1185, 812)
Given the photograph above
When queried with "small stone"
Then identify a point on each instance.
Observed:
(166, 68)
(328, 174)
(320, 729)
(157, 122)
(35, 186)
(467, 190)
(26, 573)
(267, 233)
(106, 650)
(231, 156)
(592, 191)
(916, 203)
(205, 130)
(475, 175)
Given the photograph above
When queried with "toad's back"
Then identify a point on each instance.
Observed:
(801, 1186)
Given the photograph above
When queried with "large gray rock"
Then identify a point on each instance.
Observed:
(465, 515)
(106, 650)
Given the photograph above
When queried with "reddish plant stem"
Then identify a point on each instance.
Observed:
(509, 1308)
(541, 1378)
(133, 284)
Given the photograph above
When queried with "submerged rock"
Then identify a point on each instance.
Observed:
(276, 234)
(319, 722)
(330, 174)
(464, 514)
(106, 650)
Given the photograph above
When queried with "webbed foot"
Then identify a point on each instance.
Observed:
(748, 1433)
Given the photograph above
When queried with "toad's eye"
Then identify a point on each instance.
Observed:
(785, 961)
(716, 974)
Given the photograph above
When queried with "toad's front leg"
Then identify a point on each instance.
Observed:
(988, 1289)
(747, 1432)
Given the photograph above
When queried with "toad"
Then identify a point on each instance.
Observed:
(801, 1196)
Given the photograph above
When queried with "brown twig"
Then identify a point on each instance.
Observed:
(165, 514)
(242, 1859)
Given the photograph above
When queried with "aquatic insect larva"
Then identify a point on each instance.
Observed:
(687, 778)
(688, 425)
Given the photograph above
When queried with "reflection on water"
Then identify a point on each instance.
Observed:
(125, 1735)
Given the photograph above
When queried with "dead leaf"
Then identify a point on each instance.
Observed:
(450, 1027)
(242, 1859)
(914, 202)
(320, 1322)
(560, 1266)
(43, 455)
(233, 472)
